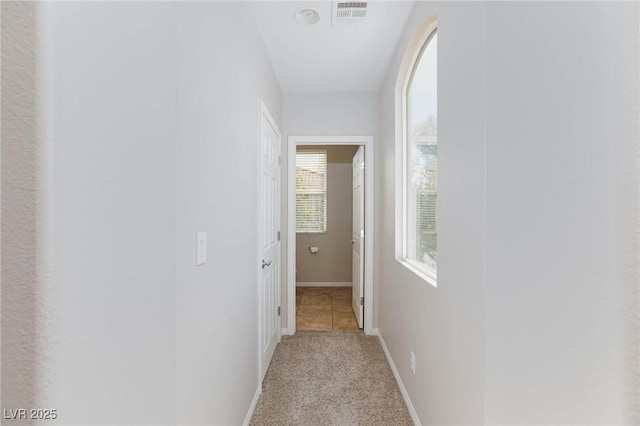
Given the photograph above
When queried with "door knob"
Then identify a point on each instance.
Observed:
(265, 264)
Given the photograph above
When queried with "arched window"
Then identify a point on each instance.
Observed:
(418, 149)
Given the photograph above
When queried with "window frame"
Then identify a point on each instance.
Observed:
(411, 59)
(326, 192)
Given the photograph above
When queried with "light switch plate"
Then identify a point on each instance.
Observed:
(201, 251)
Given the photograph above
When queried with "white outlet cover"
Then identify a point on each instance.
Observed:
(201, 248)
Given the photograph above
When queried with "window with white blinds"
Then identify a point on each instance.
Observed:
(421, 166)
(311, 191)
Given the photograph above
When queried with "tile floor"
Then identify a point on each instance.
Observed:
(324, 308)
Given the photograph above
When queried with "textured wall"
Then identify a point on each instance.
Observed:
(443, 326)
(20, 194)
(108, 174)
(223, 74)
(122, 124)
(535, 317)
(562, 213)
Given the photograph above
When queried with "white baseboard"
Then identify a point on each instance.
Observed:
(323, 284)
(252, 407)
(403, 390)
(285, 332)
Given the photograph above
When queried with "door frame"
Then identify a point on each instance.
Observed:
(367, 142)
(265, 115)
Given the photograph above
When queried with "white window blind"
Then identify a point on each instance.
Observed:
(311, 191)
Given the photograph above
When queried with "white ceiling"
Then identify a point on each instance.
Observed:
(326, 58)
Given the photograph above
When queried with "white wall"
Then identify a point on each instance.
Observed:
(544, 328)
(322, 114)
(443, 326)
(223, 75)
(133, 118)
(105, 242)
(562, 214)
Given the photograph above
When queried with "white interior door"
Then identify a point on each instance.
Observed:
(357, 240)
(270, 240)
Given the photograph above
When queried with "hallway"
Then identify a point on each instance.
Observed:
(330, 378)
(149, 267)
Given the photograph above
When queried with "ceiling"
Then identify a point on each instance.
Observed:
(326, 58)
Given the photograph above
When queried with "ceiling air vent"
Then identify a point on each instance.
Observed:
(349, 12)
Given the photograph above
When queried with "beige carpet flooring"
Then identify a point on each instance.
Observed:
(330, 378)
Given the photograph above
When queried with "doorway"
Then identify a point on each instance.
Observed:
(359, 248)
(325, 223)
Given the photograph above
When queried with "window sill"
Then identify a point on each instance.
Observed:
(420, 272)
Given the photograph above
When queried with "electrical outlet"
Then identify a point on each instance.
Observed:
(412, 358)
